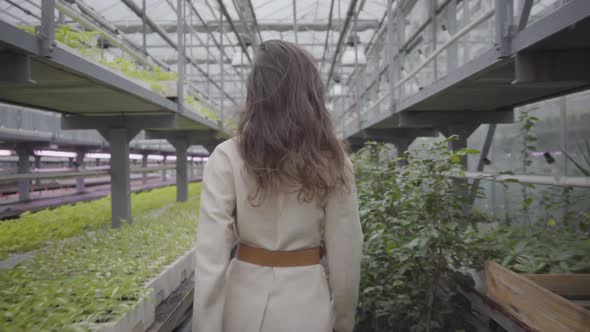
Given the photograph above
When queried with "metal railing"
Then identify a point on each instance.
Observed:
(83, 18)
(425, 42)
(84, 173)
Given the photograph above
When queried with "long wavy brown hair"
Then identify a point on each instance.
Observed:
(285, 132)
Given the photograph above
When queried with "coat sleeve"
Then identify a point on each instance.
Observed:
(214, 241)
(344, 243)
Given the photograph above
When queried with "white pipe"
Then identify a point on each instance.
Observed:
(70, 173)
(546, 180)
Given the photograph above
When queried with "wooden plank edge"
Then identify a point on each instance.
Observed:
(570, 286)
(172, 311)
(509, 289)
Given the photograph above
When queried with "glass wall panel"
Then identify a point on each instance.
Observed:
(561, 127)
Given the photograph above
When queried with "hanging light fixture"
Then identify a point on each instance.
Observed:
(353, 54)
(337, 89)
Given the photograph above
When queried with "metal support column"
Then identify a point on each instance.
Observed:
(295, 22)
(400, 38)
(164, 171)
(181, 54)
(144, 26)
(562, 167)
(463, 131)
(392, 48)
(402, 145)
(525, 13)
(24, 186)
(461, 184)
(481, 164)
(504, 26)
(37, 167)
(47, 27)
(80, 186)
(453, 50)
(144, 164)
(118, 139)
(433, 35)
(181, 147)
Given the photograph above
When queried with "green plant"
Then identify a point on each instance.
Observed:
(417, 240)
(199, 108)
(129, 68)
(85, 42)
(529, 139)
(539, 249)
(29, 29)
(34, 230)
(95, 278)
(582, 167)
(579, 199)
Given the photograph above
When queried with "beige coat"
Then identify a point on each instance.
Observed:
(239, 296)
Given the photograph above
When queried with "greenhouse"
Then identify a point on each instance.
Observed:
(467, 123)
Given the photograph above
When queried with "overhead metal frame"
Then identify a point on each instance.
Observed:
(156, 27)
(210, 34)
(23, 42)
(349, 16)
(208, 77)
(518, 42)
(116, 131)
(229, 20)
(248, 20)
(213, 26)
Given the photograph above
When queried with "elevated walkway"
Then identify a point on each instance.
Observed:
(527, 63)
(36, 72)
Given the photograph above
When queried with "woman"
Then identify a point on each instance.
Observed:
(279, 188)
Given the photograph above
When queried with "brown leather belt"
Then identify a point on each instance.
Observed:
(291, 258)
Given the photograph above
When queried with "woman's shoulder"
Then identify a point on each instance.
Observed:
(228, 151)
(228, 146)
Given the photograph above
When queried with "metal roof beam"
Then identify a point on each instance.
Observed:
(154, 26)
(234, 29)
(312, 44)
(349, 16)
(209, 32)
(248, 20)
(213, 26)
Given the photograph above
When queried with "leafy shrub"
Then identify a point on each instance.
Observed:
(539, 249)
(33, 230)
(95, 278)
(417, 240)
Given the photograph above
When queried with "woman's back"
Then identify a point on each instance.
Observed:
(279, 222)
(255, 193)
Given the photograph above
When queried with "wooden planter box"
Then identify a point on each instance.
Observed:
(543, 302)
